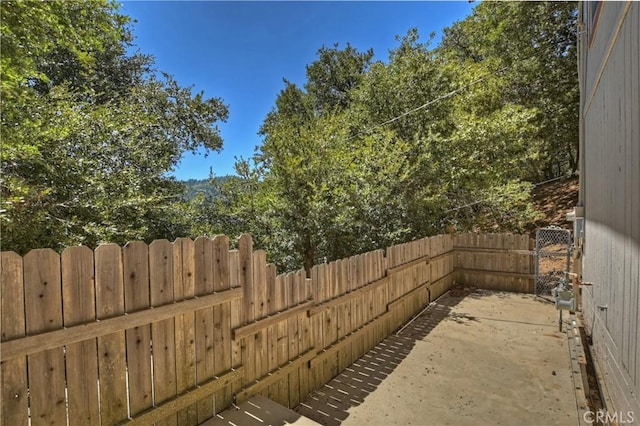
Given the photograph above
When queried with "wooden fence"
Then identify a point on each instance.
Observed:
(495, 261)
(172, 333)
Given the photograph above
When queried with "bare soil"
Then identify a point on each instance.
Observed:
(474, 357)
(554, 200)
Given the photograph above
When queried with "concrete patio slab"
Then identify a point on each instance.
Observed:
(474, 357)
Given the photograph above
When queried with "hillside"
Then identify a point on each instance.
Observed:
(554, 200)
(207, 187)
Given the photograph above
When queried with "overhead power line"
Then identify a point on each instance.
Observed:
(429, 103)
(438, 99)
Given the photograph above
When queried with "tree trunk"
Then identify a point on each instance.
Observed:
(308, 255)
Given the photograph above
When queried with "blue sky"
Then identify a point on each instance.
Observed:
(241, 51)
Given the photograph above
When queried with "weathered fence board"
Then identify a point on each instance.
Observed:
(222, 317)
(282, 336)
(294, 296)
(173, 333)
(43, 311)
(495, 261)
(184, 288)
(236, 316)
(14, 371)
(204, 323)
(112, 347)
(272, 330)
(245, 271)
(260, 358)
(136, 296)
(78, 300)
(163, 332)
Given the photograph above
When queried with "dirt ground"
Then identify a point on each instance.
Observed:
(554, 200)
(472, 358)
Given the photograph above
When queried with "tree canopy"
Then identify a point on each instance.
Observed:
(90, 132)
(364, 154)
(368, 153)
(536, 45)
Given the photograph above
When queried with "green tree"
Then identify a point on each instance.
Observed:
(418, 138)
(302, 151)
(332, 76)
(89, 133)
(408, 96)
(467, 144)
(329, 196)
(535, 44)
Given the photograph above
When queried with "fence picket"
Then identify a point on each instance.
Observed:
(304, 340)
(272, 331)
(245, 263)
(13, 372)
(163, 332)
(43, 303)
(222, 318)
(316, 375)
(203, 273)
(111, 348)
(78, 300)
(135, 259)
(282, 302)
(344, 322)
(236, 314)
(260, 311)
(184, 288)
(293, 281)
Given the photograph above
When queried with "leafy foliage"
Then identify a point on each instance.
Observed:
(88, 132)
(536, 44)
(332, 76)
(363, 155)
(431, 139)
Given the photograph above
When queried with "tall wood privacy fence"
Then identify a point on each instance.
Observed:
(172, 333)
(496, 261)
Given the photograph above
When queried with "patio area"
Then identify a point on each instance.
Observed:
(472, 357)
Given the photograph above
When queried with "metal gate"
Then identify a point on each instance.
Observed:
(553, 257)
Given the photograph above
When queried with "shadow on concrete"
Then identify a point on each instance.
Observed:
(330, 404)
(258, 411)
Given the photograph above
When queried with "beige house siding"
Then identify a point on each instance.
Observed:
(610, 65)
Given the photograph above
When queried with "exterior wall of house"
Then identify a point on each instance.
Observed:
(610, 109)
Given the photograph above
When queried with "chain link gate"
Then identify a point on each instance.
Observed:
(553, 257)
